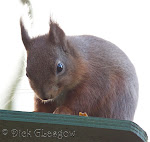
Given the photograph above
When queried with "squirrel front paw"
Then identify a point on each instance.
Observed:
(63, 110)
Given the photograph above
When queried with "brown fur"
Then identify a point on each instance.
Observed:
(98, 78)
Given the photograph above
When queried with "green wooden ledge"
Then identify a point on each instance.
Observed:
(18, 126)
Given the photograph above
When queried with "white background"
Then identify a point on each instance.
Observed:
(123, 22)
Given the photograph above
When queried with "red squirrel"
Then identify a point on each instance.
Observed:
(72, 74)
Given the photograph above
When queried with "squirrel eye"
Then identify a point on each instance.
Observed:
(59, 67)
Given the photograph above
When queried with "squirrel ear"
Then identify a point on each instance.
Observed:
(24, 34)
(56, 34)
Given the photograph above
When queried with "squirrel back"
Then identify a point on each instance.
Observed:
(72, 74)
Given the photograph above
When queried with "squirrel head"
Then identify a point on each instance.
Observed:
(52, 64)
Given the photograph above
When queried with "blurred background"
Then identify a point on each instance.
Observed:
(124, 23)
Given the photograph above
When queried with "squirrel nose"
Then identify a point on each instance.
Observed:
(43, 95)
(43, 98)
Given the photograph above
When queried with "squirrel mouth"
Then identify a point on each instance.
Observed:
(52, 99)
(46, 100)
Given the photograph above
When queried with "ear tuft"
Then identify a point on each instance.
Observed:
(56, 34)
(24, 34)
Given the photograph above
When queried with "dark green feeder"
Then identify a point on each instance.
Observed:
(43, 127)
